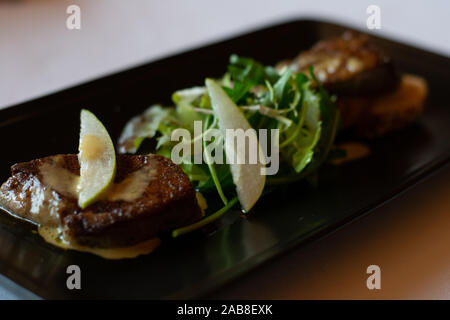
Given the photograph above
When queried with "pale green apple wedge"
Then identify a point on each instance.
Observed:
(97, 159)
(249, 179)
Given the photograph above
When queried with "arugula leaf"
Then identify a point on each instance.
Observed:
(331, 122)
(245, 73)
(211, 165)
(281, 89)
(246, 70)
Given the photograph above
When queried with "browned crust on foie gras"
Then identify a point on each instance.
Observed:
(348, 65)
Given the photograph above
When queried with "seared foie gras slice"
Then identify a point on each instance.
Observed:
(348, 65)
(372, 97)
(150, 194)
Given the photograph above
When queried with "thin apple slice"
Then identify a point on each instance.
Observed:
(97, 159)
(249, 179)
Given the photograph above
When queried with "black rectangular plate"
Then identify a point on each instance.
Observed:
(295, 214)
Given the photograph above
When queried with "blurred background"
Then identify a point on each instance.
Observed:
(408, 237)
(38, 54)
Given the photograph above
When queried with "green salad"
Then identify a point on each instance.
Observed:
(294, 103)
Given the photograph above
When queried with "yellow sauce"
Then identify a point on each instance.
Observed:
(132, 187)
(59, 179)
(354, 151)
(56, 237)
(410, 94)
(91, 147)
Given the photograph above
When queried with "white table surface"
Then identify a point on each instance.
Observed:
(408, 238)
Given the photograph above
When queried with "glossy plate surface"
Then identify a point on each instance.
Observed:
(293, 215)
